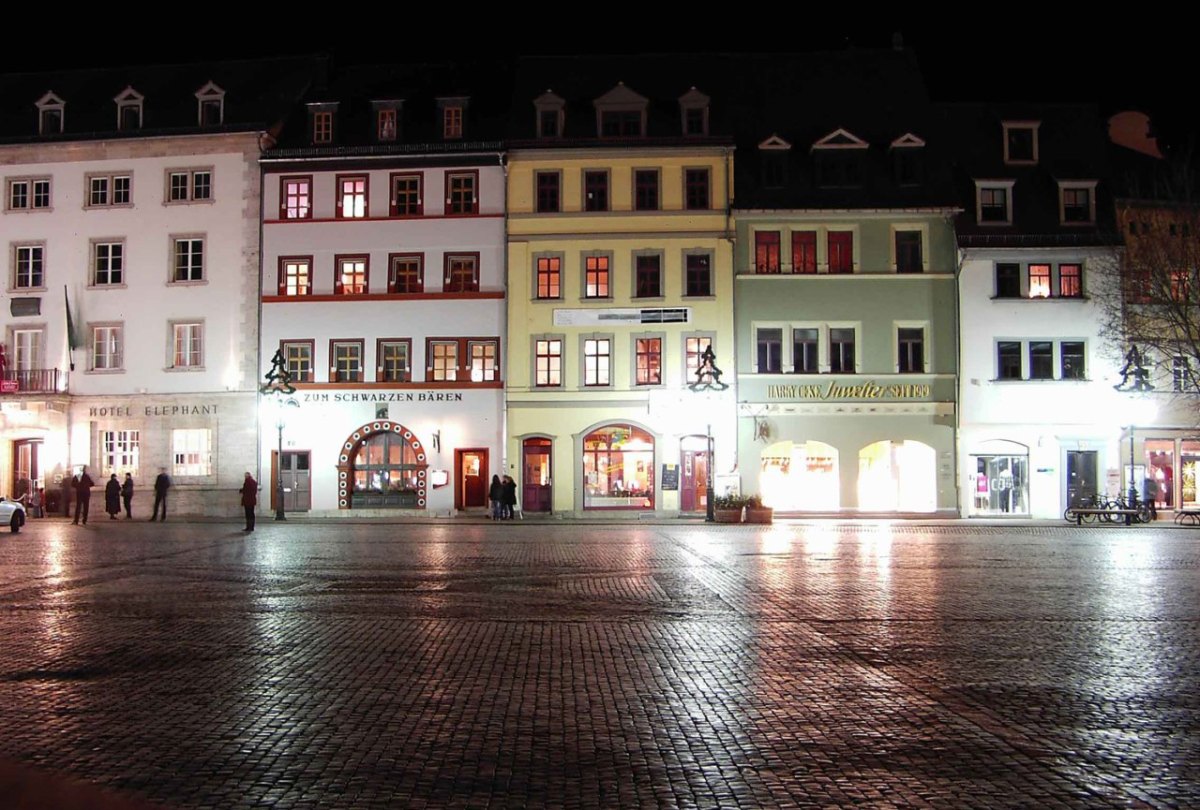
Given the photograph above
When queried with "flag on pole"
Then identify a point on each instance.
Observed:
(72, 336)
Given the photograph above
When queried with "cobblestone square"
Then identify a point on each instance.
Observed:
(612, 665)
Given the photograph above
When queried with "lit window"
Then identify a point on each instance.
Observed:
(108, 263)
(1181, 374)
(993, 205)
(443, 360)
(189, 260)
(352, 197)
(549, 277)
(1077, 205)
(406, 274)
(295, 198)
(766, 252)
(804, 252)
(295, 276)
(649, 361)
(483, 360)
(121, 450)
(385, 127)
(597, 360)
(462, 273)
(187, 345)
(693, 349)
(351, 276)
(191, 449)
(1039, 281)
(394, 365)
(548, 363)
(298, 359)
(107, 352)
(841, 251)
(1070, 280)
(596, 277)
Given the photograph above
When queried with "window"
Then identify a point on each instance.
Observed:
(484, 365)
(1020, 142)
(1181, 374)
(648, 354)
(298, 359)
(345, 361)
(1072, 358)
(647, 276)
(774, 165)
(695, 121)
(29, 194)
(50, 114)
(188, 259)
(841, 251)
(322, 126)
(351, 276)
(108, 263)
(841, 351)
(452, 122)
(697, 280)
(462, 273)
(295, 198)
(1077, 206)
(805, 350)
(693, 352)
(1008, 357)
(994, 204)
(620, 123)
(1008, 280)
(192, 451)
(908, 166)
(406, 273)
(547, 362)
(210, 105)
(770, 351)
(460, 193)
(595, 191)
(406, 195)
(27, 349)
(443, 360)
(910, 343)
(29, 267)
(839, 168)
(1041, 360)
(120, 451)
(548, 197)
(645, 190)
(766, 252)
(696, 192)
(295, 275)
(385, 124)
(1039, 281)
(804, 252)
(352, 197)
(1070, 280)
(908, 252)
(108, 190)
(548, 123)
(192, 185)
(187, 345)
(393, 361)
(549, 277)
(107, 352)
(129, 110)
(595, 282)
(597, 360)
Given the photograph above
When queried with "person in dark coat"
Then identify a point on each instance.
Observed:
(161, 484)
(249, 492)
(127, 494)
(83, 484)
(112, 497)
(496, 496)
(510, 498)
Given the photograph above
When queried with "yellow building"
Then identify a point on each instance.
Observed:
(620, 268)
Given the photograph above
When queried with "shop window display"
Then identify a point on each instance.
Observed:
(1159, 482)
(618, 468)
(386, 473)
(1000, 485)
(897, 477)
(1189, 460)
(800, 476)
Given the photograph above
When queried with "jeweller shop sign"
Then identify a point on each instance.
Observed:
(841, 390)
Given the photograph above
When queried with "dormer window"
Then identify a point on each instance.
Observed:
(993, 202)
(50, 114)
(621, 113)
(908, 164)
(551, 114)
(129, 110)
(1077, 202)
(210, 100)
(839, 160)
(387, 120)
(454, 116)
(321, 119)
(1021, 142)
(693, 111)
(773, 154)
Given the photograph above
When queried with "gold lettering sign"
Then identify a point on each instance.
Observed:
(833, 390)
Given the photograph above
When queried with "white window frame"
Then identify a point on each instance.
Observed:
(94, 270)
(1077, 185)
(28, 347)
(106, 347)
(583, 357)
(926, 347)
(689, 374)
(562, 360)
(15, 257)
(174, 265)
(210, 93)
(191, 452)
(446, 373)
(47, 104)
(120, 452)
(1007, 186)
(913, 227)
(484, 374)
(30, 185)
(661, 337)
(1030, 125)
(190, 177)
(109, 190)
(130, 99)
(187, 342)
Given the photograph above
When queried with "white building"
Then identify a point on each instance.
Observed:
(130, 202)
(383, 288)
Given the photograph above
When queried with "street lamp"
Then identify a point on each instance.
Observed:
(1135, 380)
(278, 389)
(708, 378)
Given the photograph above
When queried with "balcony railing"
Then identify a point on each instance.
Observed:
(33, 381)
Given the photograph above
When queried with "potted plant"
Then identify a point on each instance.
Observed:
(727, 508)
(756, 512)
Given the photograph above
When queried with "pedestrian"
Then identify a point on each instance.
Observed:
(249, 492)
(161, 484)
(496, 495)
(83, 484)
(127, 495)
(112, 497)
(509, 498)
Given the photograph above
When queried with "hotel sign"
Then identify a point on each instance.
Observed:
(840, 390)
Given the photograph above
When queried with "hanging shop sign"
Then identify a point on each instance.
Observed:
(839, 389)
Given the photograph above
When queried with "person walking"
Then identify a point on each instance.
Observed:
(112, 497)
(161, 484)
(83, 484)
(249, 492)
(496, 495)
(127, 495)
(509, 499)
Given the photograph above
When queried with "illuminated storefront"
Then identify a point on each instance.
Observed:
(998, 480)
(800, 476)
(618, 468)
(897, 476)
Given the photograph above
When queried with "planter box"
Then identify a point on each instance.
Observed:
(727, 515)
(763, 514)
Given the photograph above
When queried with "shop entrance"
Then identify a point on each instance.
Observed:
(999, 479)
(897, 477)
(693, 482)
(800, 476)
(26, 470)
(471, 478)
(618, 468)
(1081, 477)
(297, 480)
(535, 475)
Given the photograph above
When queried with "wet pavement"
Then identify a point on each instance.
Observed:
(623, 665)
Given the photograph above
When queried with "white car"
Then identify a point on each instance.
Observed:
(12, 513)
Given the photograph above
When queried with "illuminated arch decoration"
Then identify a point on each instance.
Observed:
(371, 430)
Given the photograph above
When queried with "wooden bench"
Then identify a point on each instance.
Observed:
(1188, 517)
(1079, 512)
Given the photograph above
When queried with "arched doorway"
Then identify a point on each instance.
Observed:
(382, 466)
(800, 476)
(897, 477)
(618, 468)
(536, 455)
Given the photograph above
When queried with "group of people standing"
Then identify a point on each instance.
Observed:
(503, 495)
(116, 493)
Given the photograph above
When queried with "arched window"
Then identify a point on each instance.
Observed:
(897, 477)
(800, 476)
(386, 473)
(618, 468)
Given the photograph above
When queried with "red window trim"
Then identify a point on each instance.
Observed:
(461, 254)
(474, 174)
(283, 181)
(337, 272)
(312, 354)
(393, 209)
(362, 359)
(463, 357)
(391, 278)
(379, 359)
(338, 211)
(282, 279)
